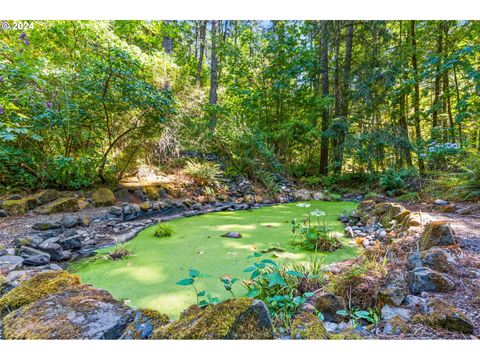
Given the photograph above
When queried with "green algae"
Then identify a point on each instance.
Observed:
(147, 279)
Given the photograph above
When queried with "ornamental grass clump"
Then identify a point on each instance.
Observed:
(163, 230)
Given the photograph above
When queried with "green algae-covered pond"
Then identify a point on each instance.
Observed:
(147, 279)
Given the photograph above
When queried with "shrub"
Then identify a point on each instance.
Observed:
(314, 235)
(392, 181)
(203, 173)
(163, 230)
(120, 251)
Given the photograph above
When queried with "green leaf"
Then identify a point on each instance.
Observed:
(254, 255)
(201, 293)
(234, 280)
(276, 279)
(268, 261)
(342, 312)
(294, 273)
(252, 293)
(203, 303)
(320, 316)
(308, 294)
(185, 282)
(254, 275)
(194, 273)
(250, 268)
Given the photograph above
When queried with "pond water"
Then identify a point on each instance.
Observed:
(147, 279)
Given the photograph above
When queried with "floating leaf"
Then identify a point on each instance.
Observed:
(185, 282)
(194, 273)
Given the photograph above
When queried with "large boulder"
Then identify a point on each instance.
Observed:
(81, 312)
(307, 326)
(425, 279)
(144, 322)
(436, 233)
(232, 319)
(20, 206)
(104, 197)
(10, 262)
(66, 204)
(36, 288)
(328, 305)
(34, 257)
(152, 192)
(387, 212)
(437, 259)
(439, 314)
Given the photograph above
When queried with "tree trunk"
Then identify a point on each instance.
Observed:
(213, 75)
(325, 92)
(438, 78)
(416, 96)
(167, 40)
(344, 97)
(203, 31)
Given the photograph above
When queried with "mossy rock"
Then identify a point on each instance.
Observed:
(328, 305)
(145, 206)
(144, 323)
(39, 286)
(425, 279)
(46, 196)
(396, 326)
(3, 284)
(152, 192)
(436, 233)
(307, 326)
(439, 314)
(104, 197)
(19, 207)
(82, 312)
(232, 319)
(66, 204)
(345, 335)
(387, 212)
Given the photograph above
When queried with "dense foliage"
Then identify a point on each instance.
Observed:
(89, 101)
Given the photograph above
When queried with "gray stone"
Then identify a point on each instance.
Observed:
(81, 313)
(116, 210)
(328, 304)
(440, 202)
(34, 257)
(232, 235)
(69, 221)
(394, 289)
(71, 243)
(3, 213)
(425, 279)
(11, 262)
(43, 226)
(53, 248)
(389, 312)
(436, 233)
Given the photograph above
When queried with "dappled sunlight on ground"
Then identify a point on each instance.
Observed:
(148, 278)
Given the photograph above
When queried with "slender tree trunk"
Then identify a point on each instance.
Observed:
(167, 40)
(407, 156)
(438, 77)
(325, 92)
(213, 75)
(203, 31)
(416, 96)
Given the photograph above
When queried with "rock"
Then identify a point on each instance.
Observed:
(69, 221)
(385, 213)
(117, 210)
(145, 206)
(3, 285)
(81, 312)
(36, 288)
(307, 326)
(144, 322)
(46, 196)
(396, 326)
(67, 204)
(240, 318)
(349, 232)
(43, 226)
(34, 257)
(436, 233)
(439, 314)
(103, 197)
(53, 248)
(393, 291)
(414, 303)
(17, 207)
(328, 305)
(302, 194)
(232, 235)
(440, 202)
(425, 279)
(414, 260)
(71, 243)
(10, 262)
(389, 312)
(437, 259)
(450, 208)
(152, 192)
(3, 213)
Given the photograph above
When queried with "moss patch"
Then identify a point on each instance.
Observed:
(147, 280)
(308, 326)
(37, 287)
(68, 204)
(232, 319)
(104, 197)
